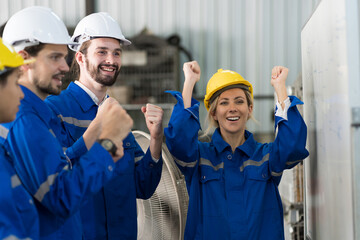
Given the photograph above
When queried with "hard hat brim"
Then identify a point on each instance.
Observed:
(76, 45)
(216, 92)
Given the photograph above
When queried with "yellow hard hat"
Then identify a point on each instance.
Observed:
(9, 58)
(223, 79)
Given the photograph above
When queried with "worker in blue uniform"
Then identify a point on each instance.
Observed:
(59, 187)
(233, 180)
(111, 213)
(18, 216)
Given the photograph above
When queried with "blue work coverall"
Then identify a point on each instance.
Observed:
(234, 195)
(58, 187)
(18, 216)
(111, 213)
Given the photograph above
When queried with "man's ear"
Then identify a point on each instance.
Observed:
(25, 55)
(79, 56)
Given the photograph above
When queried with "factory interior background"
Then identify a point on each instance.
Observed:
(249, 37)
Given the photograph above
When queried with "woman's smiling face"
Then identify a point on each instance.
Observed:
(232, 111)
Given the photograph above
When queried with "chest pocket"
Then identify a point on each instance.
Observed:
(261, 174)
(212, 191)
(260, 194)
(208, 174)
(257, 170)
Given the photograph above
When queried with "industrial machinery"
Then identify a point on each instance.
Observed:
(150, 66)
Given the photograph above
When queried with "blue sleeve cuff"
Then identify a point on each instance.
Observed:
(193, 109)
(149, 161)
(294, 101)
(77, 149)
(179, 98)
(101, 156)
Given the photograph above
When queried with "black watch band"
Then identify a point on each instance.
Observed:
(108, 145)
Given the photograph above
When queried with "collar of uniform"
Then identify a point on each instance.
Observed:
(81, 96)
(219, 142)
(89, 92)
(38, 105)
(247, 147)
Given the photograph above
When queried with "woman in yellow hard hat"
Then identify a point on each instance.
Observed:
(233, 180)
(18, 215)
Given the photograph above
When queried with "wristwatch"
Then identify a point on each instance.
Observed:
(108, 145)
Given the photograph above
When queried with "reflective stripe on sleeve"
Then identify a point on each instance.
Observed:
(74, 121)
(45, 187)
(15, 181)
(12, 237)
(52, 133)
(276, 174)
(184, 164)
(293, 162)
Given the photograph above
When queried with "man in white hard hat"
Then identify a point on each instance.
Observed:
(110, 214)
(59, 185)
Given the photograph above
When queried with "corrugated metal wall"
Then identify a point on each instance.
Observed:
(247, 36)
(70, 11)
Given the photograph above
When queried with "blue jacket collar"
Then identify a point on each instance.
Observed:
(248, 147)
(31, 100)
(83, 99)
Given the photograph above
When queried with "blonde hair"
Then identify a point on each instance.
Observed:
(212, 123)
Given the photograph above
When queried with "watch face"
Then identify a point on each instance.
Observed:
(107, 144)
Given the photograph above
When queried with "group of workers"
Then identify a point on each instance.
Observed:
(70, 167)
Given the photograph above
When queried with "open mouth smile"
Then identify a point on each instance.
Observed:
(107, 69)
(232, 118)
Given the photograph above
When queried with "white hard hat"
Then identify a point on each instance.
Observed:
(97, 25)
(34, 25)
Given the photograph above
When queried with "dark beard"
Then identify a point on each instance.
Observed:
(48, 89)
(99, 78)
